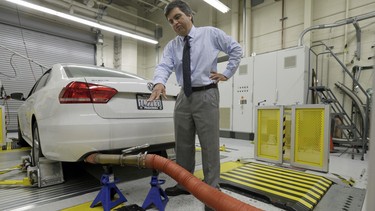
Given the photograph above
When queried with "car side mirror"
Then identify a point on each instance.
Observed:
(17, 96)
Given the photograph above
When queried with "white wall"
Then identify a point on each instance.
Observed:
(266, 33)
(129, 55)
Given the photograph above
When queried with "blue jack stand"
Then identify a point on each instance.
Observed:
(109, 189)
(156, 196)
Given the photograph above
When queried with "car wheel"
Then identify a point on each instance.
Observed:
(21, 142)
(36, 151)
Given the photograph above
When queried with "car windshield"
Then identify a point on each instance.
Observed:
(88, 71)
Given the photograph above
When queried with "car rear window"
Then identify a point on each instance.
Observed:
(82, 71)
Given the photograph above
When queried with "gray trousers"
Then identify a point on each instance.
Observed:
(198, 114)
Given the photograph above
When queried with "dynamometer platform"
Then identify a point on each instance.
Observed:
(291, 189)
(285, 188)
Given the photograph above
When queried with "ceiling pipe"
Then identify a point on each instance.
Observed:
(235, 20)
(209, 195)
(128, 13)
(244, 31)
(248, 28)
(336, 24)
(282, 23)
(358, 36)
(151, 5)
(307, 19)
(81, 8)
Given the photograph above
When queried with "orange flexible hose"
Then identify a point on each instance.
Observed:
(209, 195)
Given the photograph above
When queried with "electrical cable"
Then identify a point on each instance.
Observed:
(3, 94)
(10, 62)
(24, 43)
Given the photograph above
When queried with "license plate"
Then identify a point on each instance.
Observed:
(142, 103)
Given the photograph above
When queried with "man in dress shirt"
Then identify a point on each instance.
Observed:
(196, 112)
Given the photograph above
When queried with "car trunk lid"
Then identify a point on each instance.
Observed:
(130, 101)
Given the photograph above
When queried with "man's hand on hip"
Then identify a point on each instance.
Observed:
(218, 77)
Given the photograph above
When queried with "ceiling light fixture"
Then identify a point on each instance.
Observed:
(81, 20)
(218, 5)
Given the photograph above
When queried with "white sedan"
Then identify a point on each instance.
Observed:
(75, 110)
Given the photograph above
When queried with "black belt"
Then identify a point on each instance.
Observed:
(201, 88)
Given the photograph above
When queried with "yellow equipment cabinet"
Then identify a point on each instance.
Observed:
(269, 134)
(310, 137)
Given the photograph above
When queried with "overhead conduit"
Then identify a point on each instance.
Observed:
(208, 195)
(83, 9)
(352, 20)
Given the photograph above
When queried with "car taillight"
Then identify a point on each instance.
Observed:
(81, 92)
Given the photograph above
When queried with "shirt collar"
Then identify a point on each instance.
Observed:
(191, 33)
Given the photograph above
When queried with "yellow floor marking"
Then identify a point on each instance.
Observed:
(303, 182)
(279, 169)
(224, 167)
(15, 150)
(293, 171)
(318, 183)
(288, 175)
(270, 191)
(314, 201)
(271, 180)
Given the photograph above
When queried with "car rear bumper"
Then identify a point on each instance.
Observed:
(64, 141)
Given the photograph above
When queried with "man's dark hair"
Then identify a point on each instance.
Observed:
(183, 6)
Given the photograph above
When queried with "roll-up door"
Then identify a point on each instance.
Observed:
(18, 74)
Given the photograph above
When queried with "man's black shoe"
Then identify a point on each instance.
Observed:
(175, 191)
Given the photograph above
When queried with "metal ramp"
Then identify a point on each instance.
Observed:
(284, 188)
(78, 182)
(342, 198)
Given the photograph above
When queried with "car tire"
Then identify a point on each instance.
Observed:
(21, 142)
(36, 151)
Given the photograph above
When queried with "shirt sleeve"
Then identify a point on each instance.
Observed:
(165, 68)
(232, 48)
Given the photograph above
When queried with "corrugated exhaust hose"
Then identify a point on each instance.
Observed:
(205, 193)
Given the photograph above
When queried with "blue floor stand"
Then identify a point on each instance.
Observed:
(156, 196)
(109, 189)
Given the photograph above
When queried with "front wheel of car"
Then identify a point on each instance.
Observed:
(36, 148)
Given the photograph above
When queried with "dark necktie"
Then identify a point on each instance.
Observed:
(186, 67)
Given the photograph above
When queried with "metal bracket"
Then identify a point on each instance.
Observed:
(132, 149)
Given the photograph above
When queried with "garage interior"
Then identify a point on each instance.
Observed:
(297, 109)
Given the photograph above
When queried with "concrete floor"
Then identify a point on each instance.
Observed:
(135, 189)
